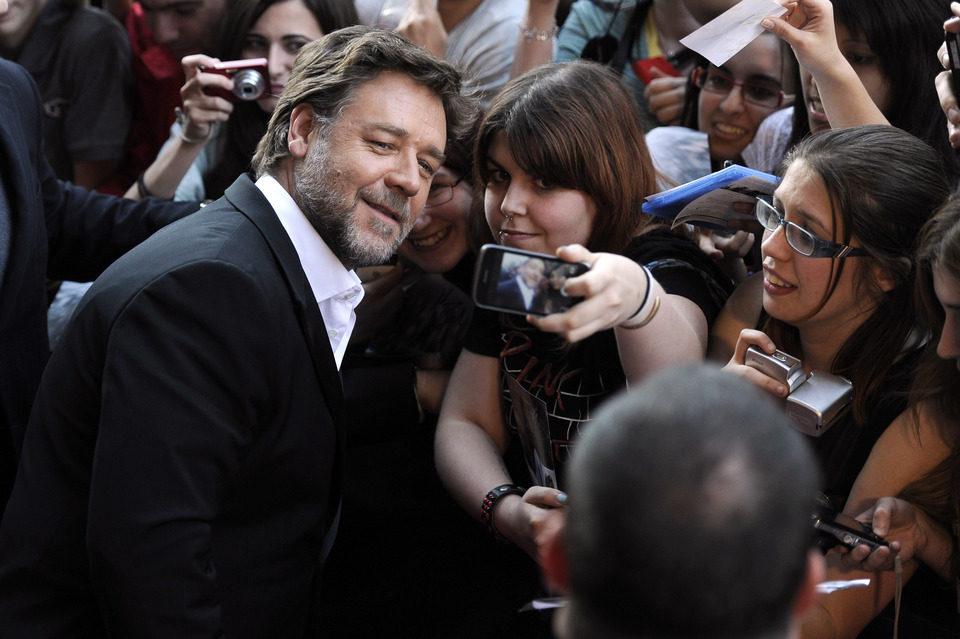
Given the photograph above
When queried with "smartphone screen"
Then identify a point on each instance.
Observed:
(516, 281)
(847, 531)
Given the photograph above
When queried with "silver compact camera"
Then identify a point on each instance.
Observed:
(814, 402)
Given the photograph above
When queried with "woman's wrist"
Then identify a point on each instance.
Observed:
(491, 509)
(185, 134)
(649, 305)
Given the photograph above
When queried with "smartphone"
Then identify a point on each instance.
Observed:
(845, 530)
(953, 52)
(512, 280)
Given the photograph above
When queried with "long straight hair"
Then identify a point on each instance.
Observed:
(883, 185)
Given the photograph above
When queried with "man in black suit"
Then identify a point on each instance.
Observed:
(179, 473)
(49, 229)
(523, 290)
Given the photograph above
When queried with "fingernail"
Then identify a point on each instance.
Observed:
(953, 114)
(782, 390)
(562, 498)
(766, 23)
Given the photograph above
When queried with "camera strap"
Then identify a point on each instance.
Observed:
(898, 571)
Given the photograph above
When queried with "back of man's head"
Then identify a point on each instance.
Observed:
(689, 512)
(328, 71)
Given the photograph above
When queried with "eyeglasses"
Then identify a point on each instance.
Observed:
(800, 239)
(765, 94)
(441, 193)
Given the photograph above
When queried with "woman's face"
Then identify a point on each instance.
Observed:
(729, 120)
(795, 285)
(947, 288)
(278, 36)
(526, 212)
(438, 240)
(867, 65)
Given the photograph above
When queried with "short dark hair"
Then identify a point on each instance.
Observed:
(575, 125)
(689, 511)
(328, 72)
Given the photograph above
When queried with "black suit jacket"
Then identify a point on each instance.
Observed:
(178, 476)
(58, 230)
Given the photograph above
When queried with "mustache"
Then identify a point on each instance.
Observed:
(387, 199)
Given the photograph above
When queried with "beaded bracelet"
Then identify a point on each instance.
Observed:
(490, 501)
(540, 35)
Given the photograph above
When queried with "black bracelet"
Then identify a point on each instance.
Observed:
(142, 187)
(490, 501)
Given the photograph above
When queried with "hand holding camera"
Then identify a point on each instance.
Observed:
(202, 106)
(814, 401)
(251, 81)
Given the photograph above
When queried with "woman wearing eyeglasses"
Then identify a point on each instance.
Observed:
(722, 110)
(835, 290)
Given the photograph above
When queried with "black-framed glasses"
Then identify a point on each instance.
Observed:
(441, 193)
(765, 94)
(800, 239)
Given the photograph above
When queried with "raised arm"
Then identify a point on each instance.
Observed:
(809, 29)
(202, 112)
(537, 37)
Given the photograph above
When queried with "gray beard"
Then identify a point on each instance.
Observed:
(318, 192)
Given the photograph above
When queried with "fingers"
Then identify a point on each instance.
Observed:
(752, 337)
(948, 103)
(193, 62)
(545, 497)
(737, 364)
(861, 558)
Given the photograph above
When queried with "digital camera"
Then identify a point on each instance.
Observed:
(250, 79)
(814, 402)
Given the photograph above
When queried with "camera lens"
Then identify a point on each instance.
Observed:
(248, 84)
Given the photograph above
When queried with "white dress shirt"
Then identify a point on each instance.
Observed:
(338, 290)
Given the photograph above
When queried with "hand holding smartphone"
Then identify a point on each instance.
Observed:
(512, 280)
(846, 531)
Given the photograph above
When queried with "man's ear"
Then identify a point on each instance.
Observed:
(553, 553)
(301, 125)
(807, 594)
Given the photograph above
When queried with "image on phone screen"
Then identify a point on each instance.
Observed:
(515, 281)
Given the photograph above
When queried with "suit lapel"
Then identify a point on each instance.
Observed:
(245, 196)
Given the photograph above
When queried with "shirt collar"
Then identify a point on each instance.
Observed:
(327, 276)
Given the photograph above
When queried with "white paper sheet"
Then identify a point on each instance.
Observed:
(728, 33)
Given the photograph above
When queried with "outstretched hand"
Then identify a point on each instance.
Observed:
(613, 290)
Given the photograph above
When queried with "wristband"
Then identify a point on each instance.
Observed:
(142, 188)
(182, 120)
(490, 502)
(648, 307)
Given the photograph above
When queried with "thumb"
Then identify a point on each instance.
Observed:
(575, 253)
(656, 72)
